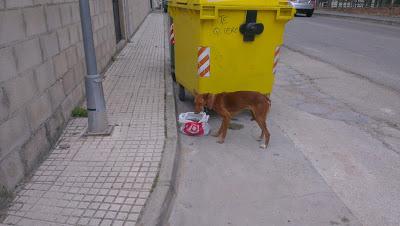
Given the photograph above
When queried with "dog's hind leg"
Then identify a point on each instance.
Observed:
(263, 129)
(261, 136)
(267, 136)
(265, 132)
(253, 118)
(261, 117)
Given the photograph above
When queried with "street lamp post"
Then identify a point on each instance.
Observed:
(96, 106)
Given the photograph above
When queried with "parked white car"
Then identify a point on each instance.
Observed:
(303, 7)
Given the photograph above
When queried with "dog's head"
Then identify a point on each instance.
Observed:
(203, 100)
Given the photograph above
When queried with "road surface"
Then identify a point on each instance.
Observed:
(366, 49)
(335, 139)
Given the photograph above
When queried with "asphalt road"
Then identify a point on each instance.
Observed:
(365, 49)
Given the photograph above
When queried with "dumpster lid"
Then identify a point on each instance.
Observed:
(244, 3)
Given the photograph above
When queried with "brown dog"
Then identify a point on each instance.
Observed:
(229, 104)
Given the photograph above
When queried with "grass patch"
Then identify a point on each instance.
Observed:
(79, 112)
(4, 193)
(154, 183)
(5, 197)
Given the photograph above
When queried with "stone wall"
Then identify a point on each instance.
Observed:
(134, 13)
(42, 69)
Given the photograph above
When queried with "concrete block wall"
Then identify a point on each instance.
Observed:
(42, 69)
(134, 13)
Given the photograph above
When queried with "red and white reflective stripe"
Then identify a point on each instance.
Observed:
(203, 61)
(172, 34)
(276, 58)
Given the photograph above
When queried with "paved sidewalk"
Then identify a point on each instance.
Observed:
(106, 180)
(370, 18)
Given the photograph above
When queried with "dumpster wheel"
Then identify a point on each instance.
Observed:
(181, 93)
(173, 76)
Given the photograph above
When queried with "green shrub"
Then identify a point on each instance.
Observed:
(79, 112)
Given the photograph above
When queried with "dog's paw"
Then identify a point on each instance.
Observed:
(259, 138)
(220, 141)
(263, 146)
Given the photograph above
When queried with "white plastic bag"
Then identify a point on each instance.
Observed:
(193, 124)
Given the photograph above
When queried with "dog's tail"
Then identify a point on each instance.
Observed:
(269, 103)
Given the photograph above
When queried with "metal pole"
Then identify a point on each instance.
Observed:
(96, 106)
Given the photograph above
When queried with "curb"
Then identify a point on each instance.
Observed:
(354, 17)
(157, 208)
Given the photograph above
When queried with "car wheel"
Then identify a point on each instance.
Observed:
(309, 14)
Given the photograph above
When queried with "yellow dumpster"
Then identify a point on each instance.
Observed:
(227, 45)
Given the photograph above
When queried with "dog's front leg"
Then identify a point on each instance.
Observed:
(219, 134)
(224, 127)
(216, 134)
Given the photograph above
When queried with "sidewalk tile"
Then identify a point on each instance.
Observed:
(106, 180)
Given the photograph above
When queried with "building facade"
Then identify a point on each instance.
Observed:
(42, 71)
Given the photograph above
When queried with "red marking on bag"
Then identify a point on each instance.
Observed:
(193, 129)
